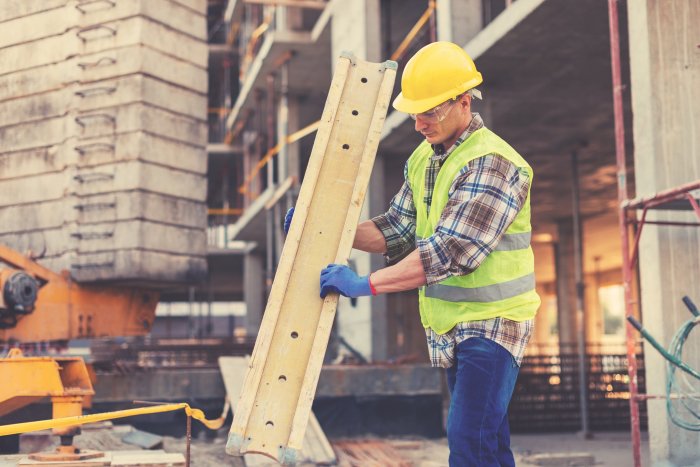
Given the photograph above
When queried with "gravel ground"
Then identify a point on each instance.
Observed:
(607, 449)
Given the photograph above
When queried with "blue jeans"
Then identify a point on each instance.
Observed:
(481, 384)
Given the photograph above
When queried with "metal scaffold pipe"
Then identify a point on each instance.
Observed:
(622, 218)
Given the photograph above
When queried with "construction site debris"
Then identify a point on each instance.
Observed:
(369, 453)
(143, 439)
(119, 459)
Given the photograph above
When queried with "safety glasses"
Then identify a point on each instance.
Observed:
(437, 113)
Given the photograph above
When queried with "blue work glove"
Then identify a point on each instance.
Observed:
(337, 278)
(288, 220)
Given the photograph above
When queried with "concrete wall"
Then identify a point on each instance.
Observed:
(355, 27)
(253, 291)
(665, 75)
(103, 123)
(458, 20)
(566, 286)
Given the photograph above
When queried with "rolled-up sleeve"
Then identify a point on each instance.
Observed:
(398, 224)
(483, 201)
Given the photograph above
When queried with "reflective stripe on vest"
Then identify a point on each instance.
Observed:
(514, 241)
(510, 242)
(487, 293)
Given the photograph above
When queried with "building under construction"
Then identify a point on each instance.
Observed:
(158, 144)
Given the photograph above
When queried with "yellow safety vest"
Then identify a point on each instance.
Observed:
(504, 284)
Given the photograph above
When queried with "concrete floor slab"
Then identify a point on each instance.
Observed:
(127, 118)
(109, 36)
(137, 58)
(108, 178)
(108, 149)
(28, 7)
(113, 207)
(95, 96)
(111, 235)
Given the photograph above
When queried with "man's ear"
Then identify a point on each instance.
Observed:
(466, 101)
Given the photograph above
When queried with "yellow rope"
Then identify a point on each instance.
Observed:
(26, 427)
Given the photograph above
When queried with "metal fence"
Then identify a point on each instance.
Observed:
(547, 397)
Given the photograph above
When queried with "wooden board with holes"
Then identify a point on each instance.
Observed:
(316, 448)
(273, 411)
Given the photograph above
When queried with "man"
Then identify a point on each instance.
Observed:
(464, 211)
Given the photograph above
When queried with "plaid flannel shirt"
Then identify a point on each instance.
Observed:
(483, 201)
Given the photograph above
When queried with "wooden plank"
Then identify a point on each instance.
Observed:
(147, 459)
(316, 444)
(105, 461)
(316, 448)
(369, 141)
(273, 411)
(370, 453)
(233, 369)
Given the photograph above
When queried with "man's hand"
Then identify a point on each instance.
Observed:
(337, 278)
(288, 220)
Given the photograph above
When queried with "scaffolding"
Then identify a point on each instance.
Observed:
(677, 198)
(244, 38)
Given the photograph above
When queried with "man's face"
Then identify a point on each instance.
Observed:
(445, 122)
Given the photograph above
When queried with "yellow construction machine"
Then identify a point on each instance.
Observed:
(39, 305)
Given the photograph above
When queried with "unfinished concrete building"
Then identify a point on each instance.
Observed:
(104, 134)
(548, 91)
(110, 124)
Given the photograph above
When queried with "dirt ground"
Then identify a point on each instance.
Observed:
(604, 449)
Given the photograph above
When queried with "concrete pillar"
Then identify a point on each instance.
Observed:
(283, 126)
(594, 314)
(459, 20)
(290, 155)
(376, 204)
(566, 286)
(248, 161)
(665, 83)
(540, 337)
(356, 28)
(291, 19)
(253, 291)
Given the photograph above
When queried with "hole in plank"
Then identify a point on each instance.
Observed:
(269, 424)
(295, 334)
(364, 80)
(346, 146)
(282, 378)
(355, 112)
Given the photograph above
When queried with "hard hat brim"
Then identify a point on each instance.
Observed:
(416, 106)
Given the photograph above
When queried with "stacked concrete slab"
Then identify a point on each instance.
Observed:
(103, 136)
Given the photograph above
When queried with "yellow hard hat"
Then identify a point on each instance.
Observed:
(437, 72)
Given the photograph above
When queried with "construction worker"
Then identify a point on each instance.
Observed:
(463, 212)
